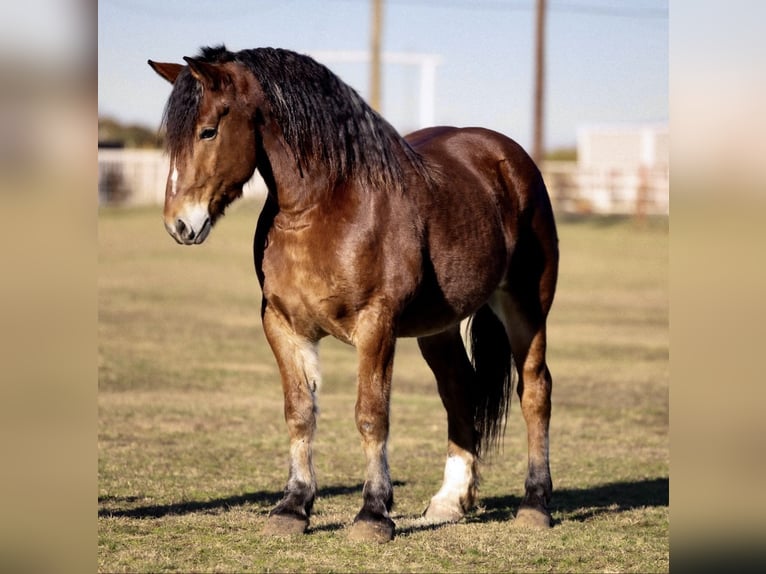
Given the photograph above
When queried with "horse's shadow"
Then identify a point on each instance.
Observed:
(187, 507)
(577, 504)
(262, 498)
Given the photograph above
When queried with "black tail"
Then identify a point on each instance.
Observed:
(492, 361)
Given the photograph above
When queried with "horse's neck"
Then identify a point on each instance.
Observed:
(295, 189)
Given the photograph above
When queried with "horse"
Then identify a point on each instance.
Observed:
(368, 236)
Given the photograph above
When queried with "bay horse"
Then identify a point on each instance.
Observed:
(367, 236)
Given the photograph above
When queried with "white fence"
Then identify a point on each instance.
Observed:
(137, 177)
(577, 189)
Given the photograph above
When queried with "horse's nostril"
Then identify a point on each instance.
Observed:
(184, 230)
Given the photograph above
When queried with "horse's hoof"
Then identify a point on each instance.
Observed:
(380, 531)
(439, 512)
(533, 518)
(285, 525)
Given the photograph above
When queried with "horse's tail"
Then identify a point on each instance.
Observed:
(492, 362)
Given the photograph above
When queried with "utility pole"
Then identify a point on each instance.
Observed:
(377, 25)
(539, 94)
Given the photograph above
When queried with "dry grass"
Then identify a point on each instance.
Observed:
(193, 449)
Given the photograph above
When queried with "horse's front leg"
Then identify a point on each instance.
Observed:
(375, 346)
(299, 368)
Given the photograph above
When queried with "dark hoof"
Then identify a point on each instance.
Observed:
(528, 517)
(285, 525)
(380, 531)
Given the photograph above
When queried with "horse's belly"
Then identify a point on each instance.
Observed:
(438, 305)
(421, 322)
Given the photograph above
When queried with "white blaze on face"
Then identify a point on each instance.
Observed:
(174, 181)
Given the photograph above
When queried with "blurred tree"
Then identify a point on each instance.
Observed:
(113, 133)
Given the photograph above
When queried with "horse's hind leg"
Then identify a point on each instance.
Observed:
(298, 366)
(523, 310)
(446, 355)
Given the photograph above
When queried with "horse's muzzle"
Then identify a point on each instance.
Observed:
(185, 234)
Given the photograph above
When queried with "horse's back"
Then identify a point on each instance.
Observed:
(425, 139)
(452, 150)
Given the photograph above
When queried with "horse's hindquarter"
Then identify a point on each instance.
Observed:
(471, 220)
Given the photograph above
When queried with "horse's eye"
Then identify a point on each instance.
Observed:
(208, 133)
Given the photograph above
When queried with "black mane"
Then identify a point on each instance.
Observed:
(322, 118)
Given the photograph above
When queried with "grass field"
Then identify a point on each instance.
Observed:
(192, 446)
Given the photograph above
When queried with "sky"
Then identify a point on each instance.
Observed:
(606, 60)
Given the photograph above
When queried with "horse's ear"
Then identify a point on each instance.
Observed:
(166, 70)
(209, 75)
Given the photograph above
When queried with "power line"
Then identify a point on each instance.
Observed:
(604, 10)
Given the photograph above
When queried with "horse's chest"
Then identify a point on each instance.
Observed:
(307, 285)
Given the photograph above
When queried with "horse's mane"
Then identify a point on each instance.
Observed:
(322, 118)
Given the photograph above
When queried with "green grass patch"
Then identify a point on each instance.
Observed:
(192, 446)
